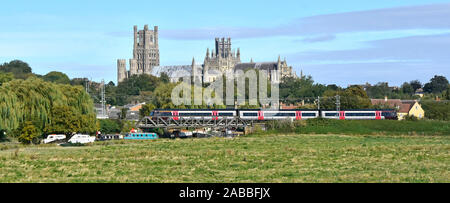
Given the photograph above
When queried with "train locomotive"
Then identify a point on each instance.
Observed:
(265, 115)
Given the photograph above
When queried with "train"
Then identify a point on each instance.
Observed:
(267, 114)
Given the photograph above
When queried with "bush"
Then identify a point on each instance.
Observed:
(360, 127)
(108, 126)
(436, 110)
(29, 134)
(410, 118)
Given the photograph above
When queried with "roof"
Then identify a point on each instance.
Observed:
(403, 106)
(134, 107)
(174, 71)
(267, 66)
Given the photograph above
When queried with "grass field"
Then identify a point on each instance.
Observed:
(256, 158)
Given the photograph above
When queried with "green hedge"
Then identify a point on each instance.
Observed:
(360, 127)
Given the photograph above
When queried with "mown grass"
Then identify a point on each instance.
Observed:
(256, 158)
(361, 127)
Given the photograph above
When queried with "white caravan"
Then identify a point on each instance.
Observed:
(53, 137)
(78, 138)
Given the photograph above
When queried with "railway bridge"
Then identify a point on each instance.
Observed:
(223, 122)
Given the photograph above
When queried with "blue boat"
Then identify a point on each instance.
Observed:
(141, 136)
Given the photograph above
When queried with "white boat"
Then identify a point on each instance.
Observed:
(79, 138)
(53, 138)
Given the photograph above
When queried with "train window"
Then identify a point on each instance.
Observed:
(359, 114)
(166, 113)
(195, 114)
(308, 114)
(331, 114)
(278, 114)
(225, 114)
(250, 114)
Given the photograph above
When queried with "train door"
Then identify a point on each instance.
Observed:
(175, 115)
(298, 115)
(341, 115)
(378, 115)
(215, 115)
(260, 115)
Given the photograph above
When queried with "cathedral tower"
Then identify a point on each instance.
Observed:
(145, 53)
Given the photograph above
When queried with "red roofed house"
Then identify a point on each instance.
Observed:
(403, 107)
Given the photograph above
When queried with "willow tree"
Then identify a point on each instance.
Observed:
(33, 100)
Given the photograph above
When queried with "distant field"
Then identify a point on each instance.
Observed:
(257, 158)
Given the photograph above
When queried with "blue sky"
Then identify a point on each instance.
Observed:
(337, 42)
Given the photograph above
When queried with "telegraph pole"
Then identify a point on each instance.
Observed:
(338, 105)
(87, 85)
(318, 102)
(103, 98)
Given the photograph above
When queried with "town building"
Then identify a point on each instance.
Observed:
(403, 107)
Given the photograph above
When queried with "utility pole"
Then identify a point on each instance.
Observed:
(318, 102)
(103, 99)
(87, 85)
(338, 105)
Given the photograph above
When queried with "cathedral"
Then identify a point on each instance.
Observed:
(222, 58)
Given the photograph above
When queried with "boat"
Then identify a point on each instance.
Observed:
(140, 136)
(82, 139)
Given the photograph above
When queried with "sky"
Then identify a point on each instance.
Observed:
(336, 42)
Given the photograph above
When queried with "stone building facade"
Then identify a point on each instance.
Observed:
(145, 54)
(222, 58)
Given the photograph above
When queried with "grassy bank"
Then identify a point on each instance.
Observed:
(361, 127)
(256, 158)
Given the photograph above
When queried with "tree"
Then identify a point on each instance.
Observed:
(380, 90)
(437, 84)
(146, 109)
(446, 94)
(56, 77)
(19, 69)
(436, 110)
(29, 133)
(5, 77)
(133, 86)
(64, 120)
(407, 88)
(123, 113)
(108, 126)
(162, 96)
(127, 126)
(353, 97)
(164, 78)
(415, 84)
(294, 90)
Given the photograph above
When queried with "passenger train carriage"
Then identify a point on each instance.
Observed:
(296, 114)
(213, 114)
(359, 114)
(256, 114)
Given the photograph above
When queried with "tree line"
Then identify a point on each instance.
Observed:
(32, 106)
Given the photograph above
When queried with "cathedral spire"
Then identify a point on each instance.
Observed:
(207, 52)
(193, 62)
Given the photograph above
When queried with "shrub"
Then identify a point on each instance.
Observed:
(410, 118)
(29, 134)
